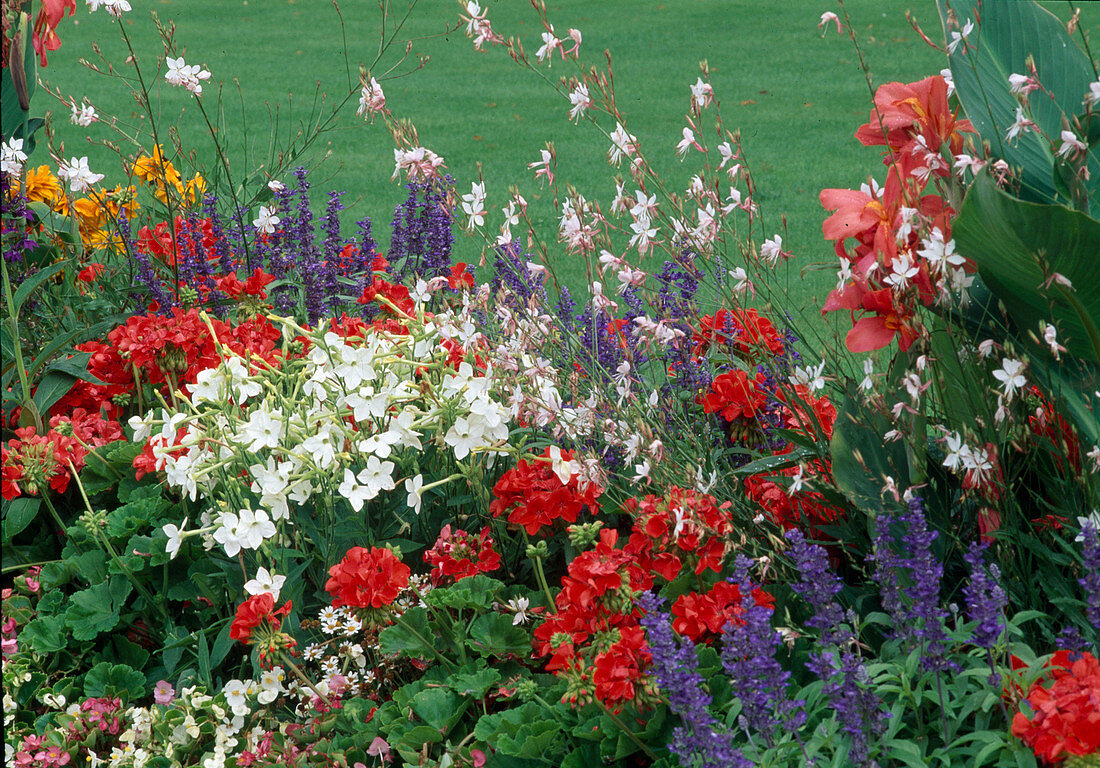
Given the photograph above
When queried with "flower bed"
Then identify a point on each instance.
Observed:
(273, 497)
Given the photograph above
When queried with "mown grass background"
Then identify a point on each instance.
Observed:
(795, 95)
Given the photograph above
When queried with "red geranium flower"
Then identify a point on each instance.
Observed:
(534, 496)
(735, 396)
(459, 277)
(367, 578)
(682, 525)
(1066, 719)
(90, 272)
(253, 612)
(705, 616)
(458, 555)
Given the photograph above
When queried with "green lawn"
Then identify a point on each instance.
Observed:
(796, 97)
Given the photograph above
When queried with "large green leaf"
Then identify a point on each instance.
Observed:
(12, 112)
(1010, 239)
(863, 463)
(18, 514)
(1005, 35)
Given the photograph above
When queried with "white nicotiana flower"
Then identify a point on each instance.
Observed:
(265, 583)
(414, 487)
(264, 429)
(175, 538)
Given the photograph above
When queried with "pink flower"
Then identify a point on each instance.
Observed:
(163, 692)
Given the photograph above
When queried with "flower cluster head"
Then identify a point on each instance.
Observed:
(682, 526)
(367, 578)
(459, 554)
(33, 462)
(704, 616)
(258, 622)
(537, 493)
(742, 331)
(1065, 706)
(594, 640)
(189, 76)
(903, 256)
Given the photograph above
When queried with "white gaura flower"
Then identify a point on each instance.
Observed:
(84, 115)
(371, 99)
(78, 174)
(562, 468)
(580, 100)
(266, 220)
(414, 486)
(265, 583)
(520, 607)
(12, 157)
(1011, 376)
(702, 94)
(810, 377)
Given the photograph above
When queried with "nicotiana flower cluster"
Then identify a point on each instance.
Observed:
(332, 422)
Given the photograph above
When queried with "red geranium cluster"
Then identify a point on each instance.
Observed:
(163, 348)
(255, 611)
(367, 578)
(398, 295)
(742, 329)
(594, 640)
(33, 462)
(1066, 718)
(680, 526)
(534, 496)
(259, 615)
(705, 616)
(460, 554)
(739, 400)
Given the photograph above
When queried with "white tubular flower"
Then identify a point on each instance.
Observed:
(78, 174)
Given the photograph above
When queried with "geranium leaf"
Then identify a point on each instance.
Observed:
(96, 609)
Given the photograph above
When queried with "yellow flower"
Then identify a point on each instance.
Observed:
(43, 186)
(195, 189)
(154, 169)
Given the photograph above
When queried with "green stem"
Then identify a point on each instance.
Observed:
(105, 542)
(13, 321)
(49, 505)
(629, 733)
(11, 568)
(424, 642)
(302, 676)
